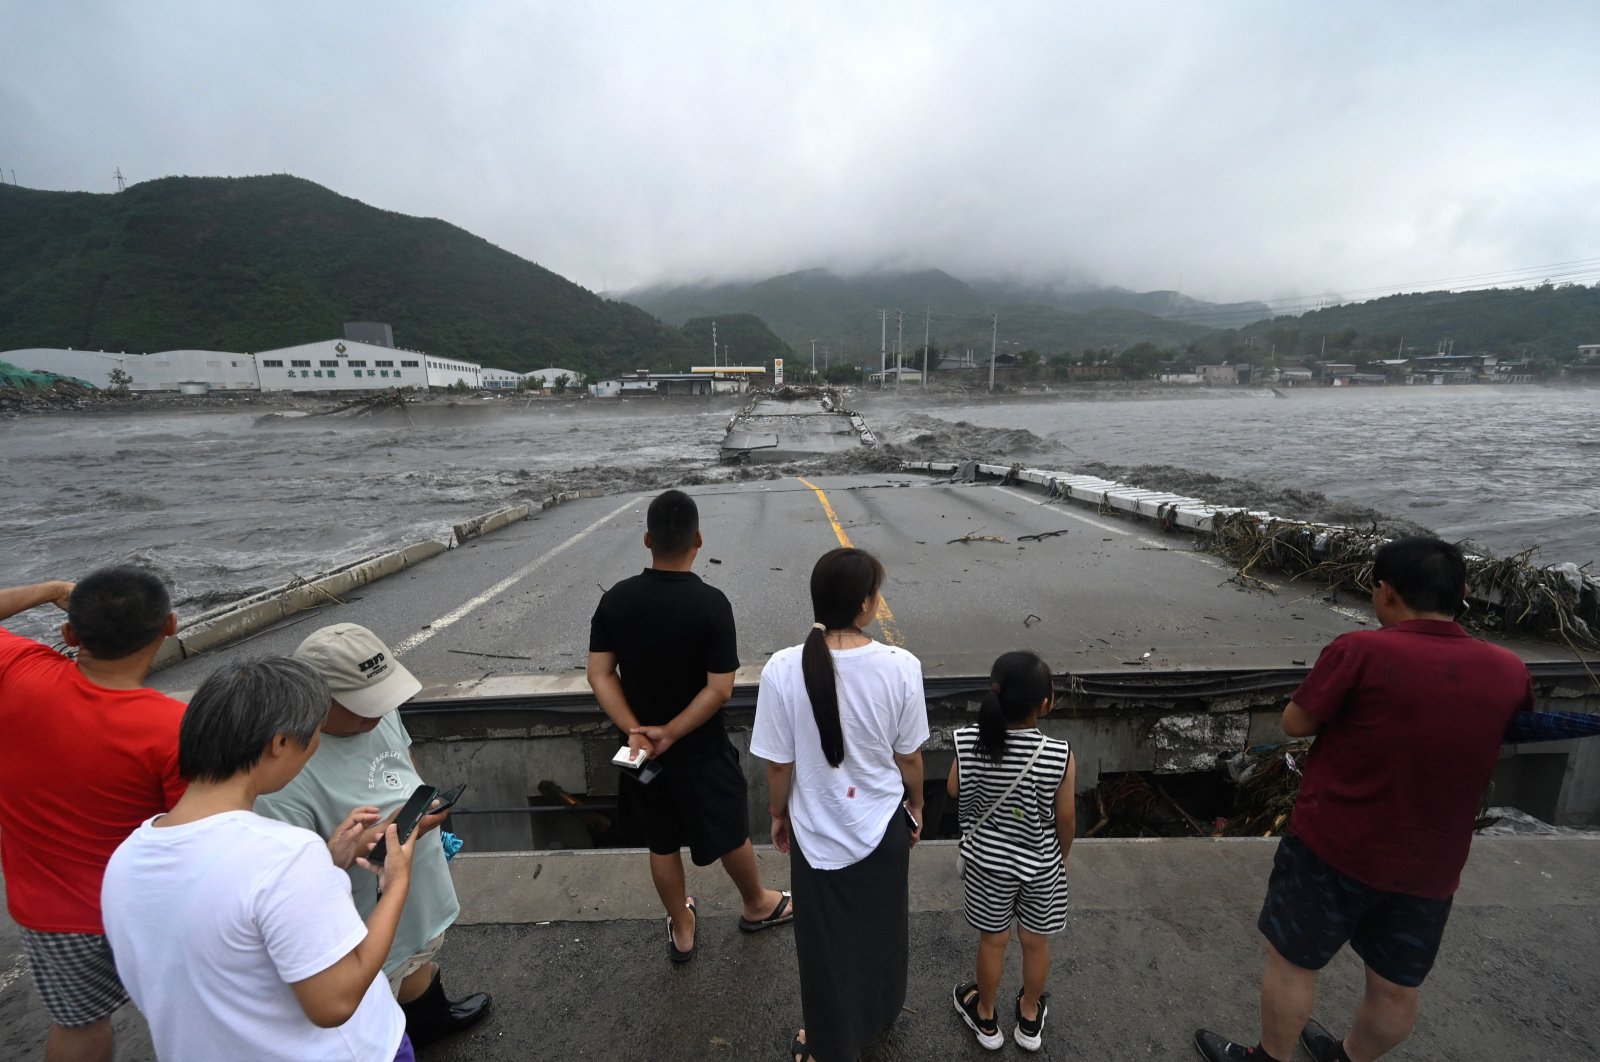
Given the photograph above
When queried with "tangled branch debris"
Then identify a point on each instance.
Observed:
(1511, 594)
(1267, 778)
(973, 536)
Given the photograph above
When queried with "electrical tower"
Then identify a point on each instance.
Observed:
(121, 183)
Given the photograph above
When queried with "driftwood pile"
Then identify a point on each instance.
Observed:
(1511, 594)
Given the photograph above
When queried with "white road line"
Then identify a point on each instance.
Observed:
(1154, 543)
(507, 583)
(1091, 521)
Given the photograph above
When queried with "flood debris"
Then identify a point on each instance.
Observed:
(1248, 793)
(973, 536)
(1511, 594)
(1267, 780)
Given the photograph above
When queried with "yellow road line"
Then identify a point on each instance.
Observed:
(885, 617)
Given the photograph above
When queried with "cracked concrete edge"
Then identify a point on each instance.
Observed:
(222, 626)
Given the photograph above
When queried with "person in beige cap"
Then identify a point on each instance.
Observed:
(364, 763)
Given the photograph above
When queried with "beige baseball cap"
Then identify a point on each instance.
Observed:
(362, 672)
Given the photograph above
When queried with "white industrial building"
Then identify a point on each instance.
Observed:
(499, 379)
(339, 365)
(447, 372)
(170, 370)
(92, 367)
(548, 377)
(328, 365)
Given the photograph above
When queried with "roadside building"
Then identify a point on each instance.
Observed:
(1450, 368)
(341, 365)
(643, 382)
(499, 379)
(892, 377)
(733, 379)
(1217, 374)
(546, 379)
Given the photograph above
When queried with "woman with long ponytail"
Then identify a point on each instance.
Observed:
(841, 720)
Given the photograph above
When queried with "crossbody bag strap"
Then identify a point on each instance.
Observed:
(1026, 767)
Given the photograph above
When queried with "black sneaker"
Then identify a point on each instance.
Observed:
(987, 1030)
(1214, 1048)
(1321, 1044)
(1030, 1034)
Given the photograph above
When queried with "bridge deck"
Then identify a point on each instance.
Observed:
(1094, 599)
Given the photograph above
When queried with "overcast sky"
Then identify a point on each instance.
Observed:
(1239, 149)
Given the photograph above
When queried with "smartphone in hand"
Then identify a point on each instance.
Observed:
(416, 806)
(448, 798)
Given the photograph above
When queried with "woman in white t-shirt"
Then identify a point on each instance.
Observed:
(841, 720)
(235, 934)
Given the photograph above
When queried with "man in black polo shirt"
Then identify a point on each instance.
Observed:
(673, 638)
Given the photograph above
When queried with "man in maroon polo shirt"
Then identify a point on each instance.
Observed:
(1409, 721)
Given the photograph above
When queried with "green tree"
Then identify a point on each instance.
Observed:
(1140, 361)
(120, 381)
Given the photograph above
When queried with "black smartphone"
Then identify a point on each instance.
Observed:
(648, 772)
(410, 815)
(910, 819)
(448, 798)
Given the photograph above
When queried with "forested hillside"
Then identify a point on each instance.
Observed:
(1547, 322)
(254, 263)
(841, 313)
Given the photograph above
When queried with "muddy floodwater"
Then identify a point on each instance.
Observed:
(223, 505)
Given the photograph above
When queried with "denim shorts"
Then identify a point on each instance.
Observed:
(1312, 910)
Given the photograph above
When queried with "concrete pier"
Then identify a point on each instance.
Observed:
(1161, 939)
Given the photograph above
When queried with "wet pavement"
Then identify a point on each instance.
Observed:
(1098, 594)
(1161, 939)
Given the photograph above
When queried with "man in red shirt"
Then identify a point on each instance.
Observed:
(89, 754)
(1409, 720)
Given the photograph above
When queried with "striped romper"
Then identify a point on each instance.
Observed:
(1015, 869)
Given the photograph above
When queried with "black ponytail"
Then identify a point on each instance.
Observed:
(1018, 683)
(841, 580)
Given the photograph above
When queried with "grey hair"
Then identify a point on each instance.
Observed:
(241, 707)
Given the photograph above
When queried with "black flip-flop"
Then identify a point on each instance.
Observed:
(672, 946)
(799, 1050)
(781, 916)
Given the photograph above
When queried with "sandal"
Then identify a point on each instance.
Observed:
(673, 952)
(798, 1049)
(781, 915)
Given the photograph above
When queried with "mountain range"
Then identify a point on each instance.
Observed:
(255, 263)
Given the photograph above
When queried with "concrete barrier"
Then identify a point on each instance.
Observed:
(494, 521)
(227, 625)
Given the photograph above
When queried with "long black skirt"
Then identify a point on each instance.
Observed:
(850, 939)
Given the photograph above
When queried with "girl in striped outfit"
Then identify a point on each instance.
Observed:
(1017, 814)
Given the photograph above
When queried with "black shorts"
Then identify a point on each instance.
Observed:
(1312, 910)
(701, 804)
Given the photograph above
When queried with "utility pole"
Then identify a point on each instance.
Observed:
(713, 344)
(813, 360)
(994, 345)
(121, 184)
(883, 347)
(899, 347)
(926, 317)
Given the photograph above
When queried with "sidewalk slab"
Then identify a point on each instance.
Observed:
(1161, 939)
